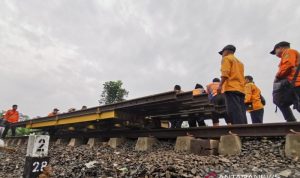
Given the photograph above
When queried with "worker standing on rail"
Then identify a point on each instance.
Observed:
(286, 90)
(83, 108)
(53, 113)
(233, 85)
(193, 119)
(11, 116)
(218, 99)
(176, 123)
(253, 100)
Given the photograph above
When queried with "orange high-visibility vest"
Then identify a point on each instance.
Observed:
(288, 65)
(12, 116)
(252, 95)
(212, 88)
(198, 91)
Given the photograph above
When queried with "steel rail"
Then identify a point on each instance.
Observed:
(147, 105)
(161, 97)
(249, 130)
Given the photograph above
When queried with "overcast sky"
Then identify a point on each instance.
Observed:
(58, 53)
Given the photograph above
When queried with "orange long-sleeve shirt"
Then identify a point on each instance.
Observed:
(212, 88)
(233, 70)
(288, 65)
(12, 116)
(252, 95)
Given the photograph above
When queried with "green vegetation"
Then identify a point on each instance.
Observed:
(113, 92)
(20, 131)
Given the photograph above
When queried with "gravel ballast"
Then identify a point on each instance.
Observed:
(263, 156)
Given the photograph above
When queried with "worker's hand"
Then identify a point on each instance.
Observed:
(276, 79)
(219, 89)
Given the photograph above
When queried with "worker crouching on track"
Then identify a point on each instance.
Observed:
(71, 110)
(286, 90)
(218, 99)
(233, 85)
(193, 119)
(11, 116)
(53, 113)
(176, 123)
(253, 100)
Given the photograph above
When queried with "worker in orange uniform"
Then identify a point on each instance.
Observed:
(212, 88)
(198, 90)
(11, 116)
(193, 118)
(233, 85)
(286, 91)
(253, 100)
(53, 113)
(175, 122)
(217, 99)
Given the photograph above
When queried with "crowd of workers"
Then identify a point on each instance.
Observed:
(13, 116)
(239, 90)
(240, 94)
(235, 90)
(56, 111)
(254, 103)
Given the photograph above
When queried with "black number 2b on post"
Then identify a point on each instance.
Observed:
(37, 155)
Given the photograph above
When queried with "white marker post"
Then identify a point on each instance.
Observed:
(37, 155)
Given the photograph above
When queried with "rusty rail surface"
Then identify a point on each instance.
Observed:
(249, 130)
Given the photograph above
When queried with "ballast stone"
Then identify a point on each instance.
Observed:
(145, 143)
(75, 142)
(204, 146)
(116, 142)
(62, 141)
(230, 145)
(292, 145)
(183, 143)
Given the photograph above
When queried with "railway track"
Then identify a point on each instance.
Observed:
(251, 130)
(152, 111)
(257, 149)
(112, 124)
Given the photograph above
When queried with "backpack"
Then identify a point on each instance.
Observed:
(296, 102)
(284, 93)
(263, 100)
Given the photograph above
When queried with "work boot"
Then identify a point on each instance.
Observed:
(216, 124)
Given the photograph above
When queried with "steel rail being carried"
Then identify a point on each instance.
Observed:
(96, 113)
(162, 105)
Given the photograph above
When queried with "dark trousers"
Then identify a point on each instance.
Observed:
(219, 100)
(7, 127)
(287, 111)
(216, 117)
(236, 109)
(176, 123)
(156, 123)
(194, 119)
(257, 116)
